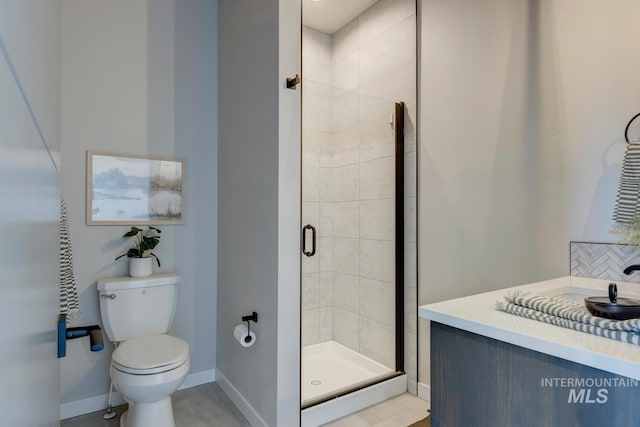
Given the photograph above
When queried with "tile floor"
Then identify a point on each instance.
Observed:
(400, 411)
(203, 406)
(207, 406)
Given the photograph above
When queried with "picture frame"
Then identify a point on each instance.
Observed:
(124, 189)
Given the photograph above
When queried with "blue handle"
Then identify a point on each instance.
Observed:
(77, 334)
(62, 336)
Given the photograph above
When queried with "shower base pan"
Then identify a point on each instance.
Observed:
(337, 381)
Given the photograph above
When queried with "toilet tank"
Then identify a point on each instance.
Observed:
(131, 306)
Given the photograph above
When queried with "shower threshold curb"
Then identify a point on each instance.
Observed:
(348, 404)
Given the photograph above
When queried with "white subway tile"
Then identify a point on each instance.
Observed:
(316, 44)
(346, 147)
(399, 84)
(326, 288)
(326, 219)
(326, 324)
(377, 219)
(377, 179)
(345, 183)
(346, 71)
(377, 341)
(345, 292)
(310, 326)
(325, 182)
(377, 260)
(372, 108)
(316, 106)
(310, 290)
(345, 255)
(326, 150)
(315, 70)
(393, 48)
(384, 15)
(345, 219)
(346, 40)
(310, 264)
(377, 300)
(324, 254)
(310, 213)
(346, 327)
(310, 181)
(376, 139)
(345, 112)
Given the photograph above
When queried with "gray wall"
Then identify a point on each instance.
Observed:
(196, 136)
(523, 108)
(139, 77)
(248, 196)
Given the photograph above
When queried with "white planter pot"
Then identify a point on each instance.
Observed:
(140, 267)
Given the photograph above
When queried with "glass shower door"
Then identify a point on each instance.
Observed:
(353, 198)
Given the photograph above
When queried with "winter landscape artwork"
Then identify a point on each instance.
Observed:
(125, 189)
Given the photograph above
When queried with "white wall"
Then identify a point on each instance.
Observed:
(30, 213)
(124, 91)
(523, 108)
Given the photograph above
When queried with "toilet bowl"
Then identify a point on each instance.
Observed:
(148, 365)
(146, 371)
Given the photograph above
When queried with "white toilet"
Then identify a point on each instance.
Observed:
(148, 365)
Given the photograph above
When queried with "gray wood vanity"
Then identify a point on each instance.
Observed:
(493, 369)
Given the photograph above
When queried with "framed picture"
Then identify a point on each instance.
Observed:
(134, 190)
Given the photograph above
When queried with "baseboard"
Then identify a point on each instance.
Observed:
(424, 392)
(97, 403)
(198, 378)
(89, 405)
(241, 403)
(412, 386)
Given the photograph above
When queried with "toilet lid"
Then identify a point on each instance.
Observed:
(150, 354)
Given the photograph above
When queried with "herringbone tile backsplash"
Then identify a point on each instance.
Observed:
(604, 261)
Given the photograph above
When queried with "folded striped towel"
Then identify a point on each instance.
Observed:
(627, 205)
(569, 314)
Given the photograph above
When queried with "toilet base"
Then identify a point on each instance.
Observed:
(156, 414)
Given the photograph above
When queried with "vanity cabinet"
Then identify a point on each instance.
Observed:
(483, 382)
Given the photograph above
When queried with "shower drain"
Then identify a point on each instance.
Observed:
(316, 382)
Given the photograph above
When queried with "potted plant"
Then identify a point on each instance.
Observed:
(630, 232)
(140, 262)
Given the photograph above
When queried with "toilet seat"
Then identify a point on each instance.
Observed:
(151, 354)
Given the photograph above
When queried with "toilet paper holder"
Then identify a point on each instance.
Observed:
(253, 317)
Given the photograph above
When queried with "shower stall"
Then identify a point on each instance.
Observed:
(358, 245)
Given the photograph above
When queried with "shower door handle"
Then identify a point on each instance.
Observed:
(313, 240)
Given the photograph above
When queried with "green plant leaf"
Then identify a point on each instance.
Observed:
(132, 232)
(157, 259)
(151, 242)
(156, 229)
(134, 253)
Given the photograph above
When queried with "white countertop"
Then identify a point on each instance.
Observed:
(477, 314)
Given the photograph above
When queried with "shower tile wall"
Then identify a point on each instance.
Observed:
(351, 81)
(317, 187)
